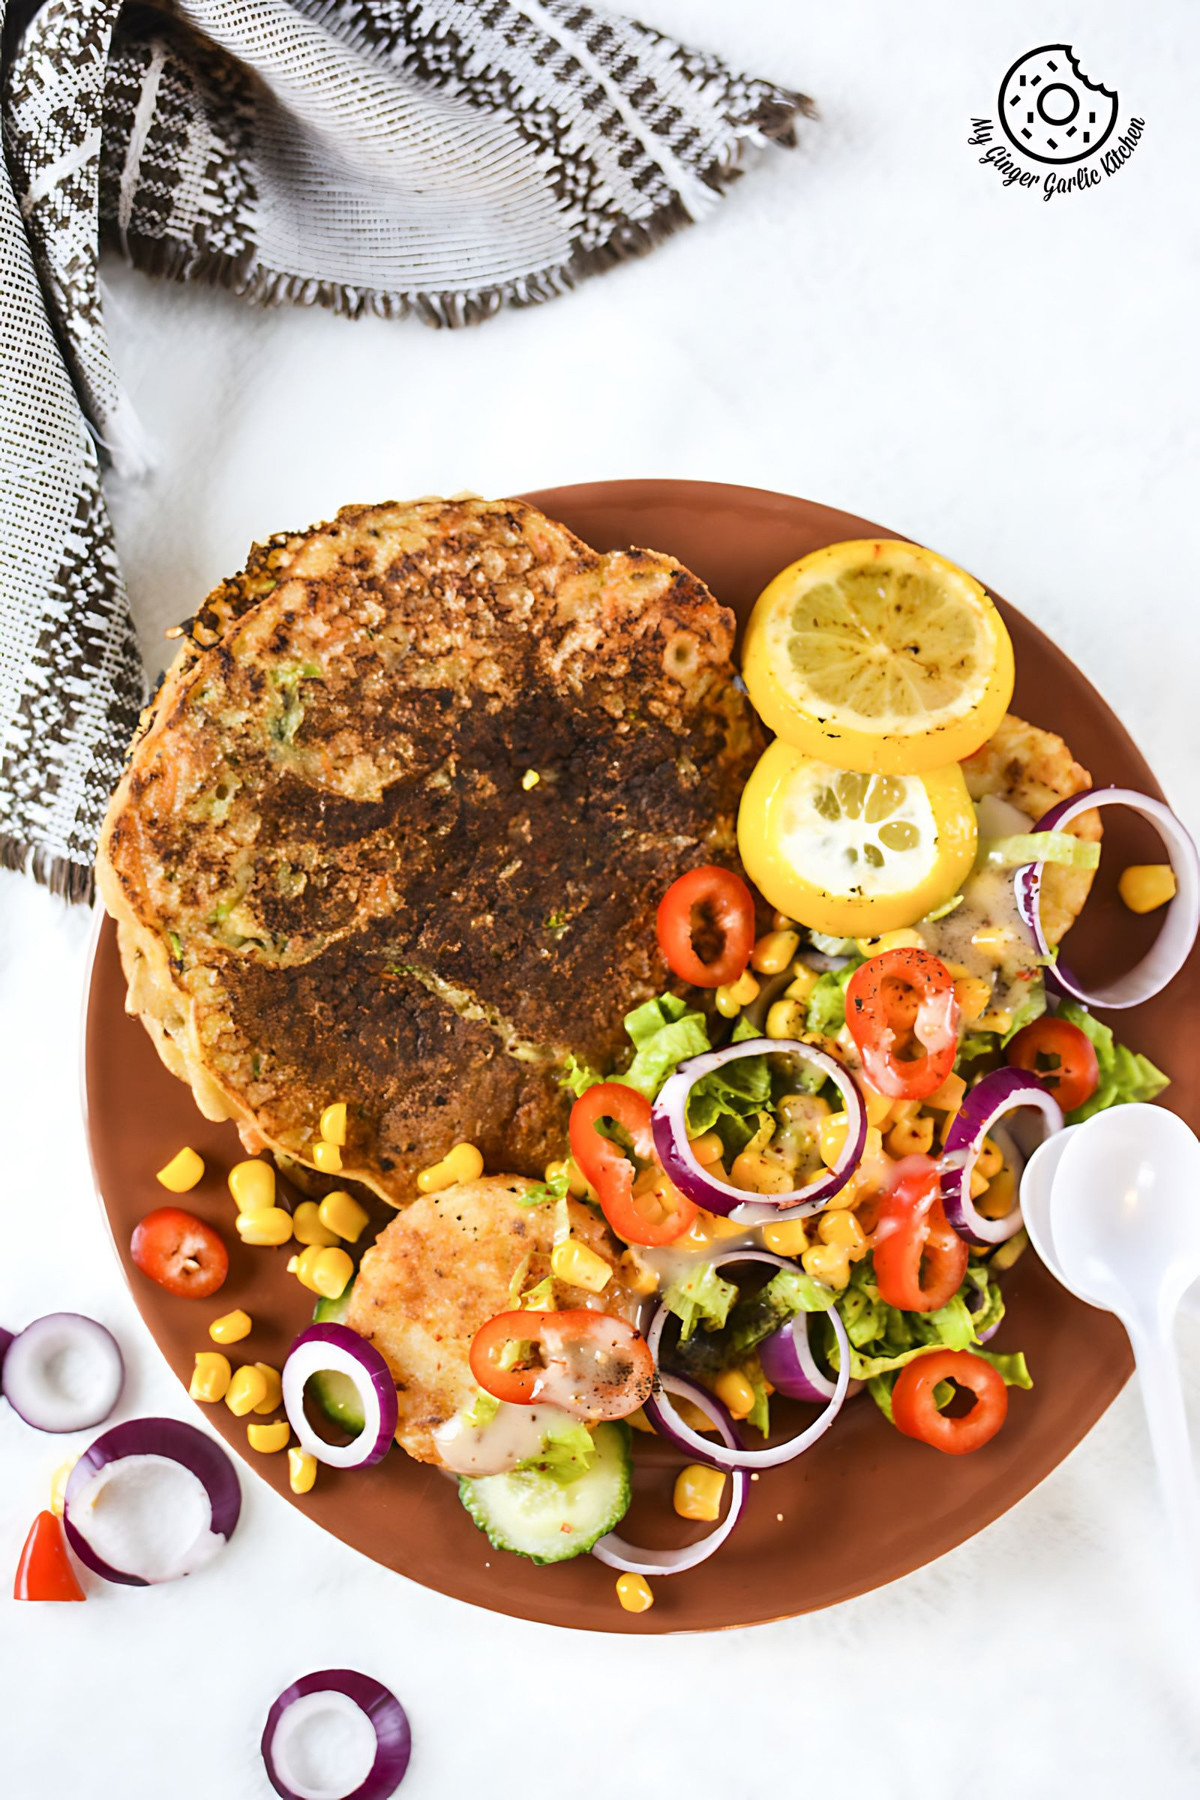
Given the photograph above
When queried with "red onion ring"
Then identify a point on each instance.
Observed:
(32, 1385)
(669, 1118)
(141, 1443)
(6, 1338)
(789, 1364)
(618, 1554)
(976, 1303)
(345, 1692)
(1001, 1092)
(335, 1347)
(1170, 949)
(667, 1422)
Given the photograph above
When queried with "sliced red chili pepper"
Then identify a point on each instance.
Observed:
(915, 1409)
(920, 1260)
(904, 1000)
(44, 1571)
(609, 1170)
(1061, 1056)
(180, 1252)
(589, 1363)
(724, 903)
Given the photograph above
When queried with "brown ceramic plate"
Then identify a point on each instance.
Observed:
(897, 1504)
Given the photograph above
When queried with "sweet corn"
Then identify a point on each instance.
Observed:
(698, 1492)
(831, 1137)
(999, 1020)
(341, 1214)
(911, 1137)
(707, 1148)
(182, 1172)
(577, 1183)
(58, 1485)
(734, 1390)
(801, 985)
(302, 1266)
(828, 1263)
(957, 971)
(333, 1123)
(274, 1393)
(995, 941)
(772, 954)
(331, 1271)
(579, 1266)
(307, 1225)
(879, 1107)
(463, 1163)
(907, 939)
(785, 1237)
(247, 1390)
(949, 1097)
(633, 1591)
(210, 1377)
(231, 1327)
(1001, 1194)
(637, 1421)
(974, 996)
(302, 1470)
(733, 995)
(252, 1185)
(781, 922)
(979, 1183)
(268, 1439)
(273, 1226)
(530, 779)
(842, 1229)
(1143, 886)
(786, 1019)
(327, 1157)
(752, 1170)
(990, 1160)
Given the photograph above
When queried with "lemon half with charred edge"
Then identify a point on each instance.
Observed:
(879, 655)
(852, 854)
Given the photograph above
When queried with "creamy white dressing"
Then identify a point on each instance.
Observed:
(989, 904)
(515, 1433)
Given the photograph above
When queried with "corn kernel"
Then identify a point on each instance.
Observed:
(1001, 1195)
(463, 1163)
(998, 1020)
(707, 1148)
(801, 985)
(949, 1097)
(633, 1591)
(576, 1180)
(308, 1227)
(639, 1422)
(828, 1263)
(58, 1485)
(530, 779)
(831, 1138)
(247, 1389)
(252, 1185)
(974, 996)
(231, 1327)
(341, 1214)
(303, 1266)
(327, 1157)
(210, 1377)
(786, 1019)
(772, 954)
(911, 1137)
(579, 1266)
(785, 1237)
(879, 1107)
(842, 1230)
(268, 1439)
(273, 1226)
(331, 1271)
(732, 1388)
(979, 1184)
(733, 995)
(757, 1173)
(990, 1160)
(274, 1394)
(907, 939)
(302, 1470)
(781, 922)
(333, 1123)
(1144, 886)
(182, 1172)
(995, 941)
(698, 1492)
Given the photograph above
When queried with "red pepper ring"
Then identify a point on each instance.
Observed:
(729, 904)
(915, 1408)
(920, 1260)
(893, 998)
(589, 1363)
(605, 1165)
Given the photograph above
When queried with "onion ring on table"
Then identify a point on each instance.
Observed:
(38, 1388)
(1003, 1091)
(346, 1695)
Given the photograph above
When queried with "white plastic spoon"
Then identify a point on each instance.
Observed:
(1124, 1212)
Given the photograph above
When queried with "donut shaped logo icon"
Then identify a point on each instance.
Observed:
(1050, 111)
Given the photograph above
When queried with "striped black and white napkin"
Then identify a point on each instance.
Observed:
(438, 157)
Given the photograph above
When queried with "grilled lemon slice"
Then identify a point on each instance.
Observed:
(879, 655)
(853, 854)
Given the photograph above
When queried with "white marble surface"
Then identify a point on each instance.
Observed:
(873, 322)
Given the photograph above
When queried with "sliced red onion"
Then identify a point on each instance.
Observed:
(336, 1349)
(678, 1159)
(6, 1338)
(372, 1740)
(667, 1422)
(976, 1301)
(789, 1364)
(1170, 949)
(128, 1467)
(618, 1554)
(1004, 1091)
(63, 1373)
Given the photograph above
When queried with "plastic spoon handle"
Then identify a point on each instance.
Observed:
(1162, 1396)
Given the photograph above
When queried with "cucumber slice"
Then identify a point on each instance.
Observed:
(336, 1394)
(550, 1521)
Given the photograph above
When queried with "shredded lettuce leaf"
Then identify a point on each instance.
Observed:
(753, 1318)
(832, 946)
(760, 1413)
(700, 1298)
(566, 1453)
(1124, 1075)
(744, 1029)
(1032, 1007)
(665, 1032)
(827, 1002)
(482, 1409)
(578, 1077)
(883, 1339)
(739, 1090)
(1061, 847)
(542, 1191)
